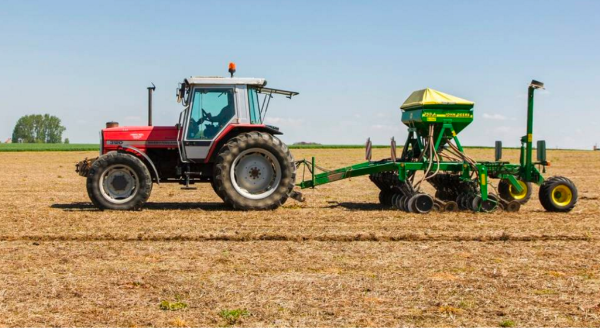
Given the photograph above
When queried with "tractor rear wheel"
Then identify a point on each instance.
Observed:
(558, 194)
(119, 181)
(254, 171)
(214, 187)
(509, 193)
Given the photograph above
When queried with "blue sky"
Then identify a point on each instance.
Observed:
(354, 63)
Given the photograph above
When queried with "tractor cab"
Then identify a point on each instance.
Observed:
(213, 106)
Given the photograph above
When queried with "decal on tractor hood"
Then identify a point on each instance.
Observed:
(154, 143)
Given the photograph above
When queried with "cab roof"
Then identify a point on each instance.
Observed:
(226, 81)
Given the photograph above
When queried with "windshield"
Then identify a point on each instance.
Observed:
(212, 109)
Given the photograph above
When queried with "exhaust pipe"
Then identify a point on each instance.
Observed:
(150, 91)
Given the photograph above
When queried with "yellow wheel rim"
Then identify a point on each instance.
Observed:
(515, 194)
(562, 195)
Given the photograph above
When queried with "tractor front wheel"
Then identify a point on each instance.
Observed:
(254, 171)
(558, 194)
(119, 181)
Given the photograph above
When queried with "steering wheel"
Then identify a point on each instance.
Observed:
(205, 117)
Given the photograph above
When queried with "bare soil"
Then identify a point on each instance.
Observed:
(339, 259)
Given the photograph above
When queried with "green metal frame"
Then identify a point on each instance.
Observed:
(525, 171)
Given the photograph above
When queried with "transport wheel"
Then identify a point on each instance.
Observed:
(254, 171)
(558, 194)
(509, 193)
(119, 181)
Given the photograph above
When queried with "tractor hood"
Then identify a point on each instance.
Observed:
(141, 137)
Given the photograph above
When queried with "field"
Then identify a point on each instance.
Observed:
(40, 147)
(339, 259)
(25, 147)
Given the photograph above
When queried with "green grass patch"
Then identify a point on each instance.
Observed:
(232, 317)
(507, 324)
(42, 147)
(166, 305)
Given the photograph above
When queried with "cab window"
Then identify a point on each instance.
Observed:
(253, 105)
(212, 109)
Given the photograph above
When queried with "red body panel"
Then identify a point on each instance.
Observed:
(141, 137)
(147, 137)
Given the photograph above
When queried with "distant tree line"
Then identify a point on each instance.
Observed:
(306, 143)
(37, 128)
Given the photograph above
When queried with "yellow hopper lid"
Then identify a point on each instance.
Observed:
(432, 98)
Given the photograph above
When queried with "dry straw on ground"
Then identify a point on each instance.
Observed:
(337, 260)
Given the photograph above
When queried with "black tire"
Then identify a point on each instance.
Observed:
(558, 194)
(506, 192)
(214, 187)
(224, 182)
(101, 198)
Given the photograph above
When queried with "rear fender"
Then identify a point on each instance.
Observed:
(233, 131)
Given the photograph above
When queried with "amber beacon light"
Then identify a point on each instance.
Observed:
(231, 68)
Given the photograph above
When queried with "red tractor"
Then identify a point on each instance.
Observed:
(220, 138)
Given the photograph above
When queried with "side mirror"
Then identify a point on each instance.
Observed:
(180, 92)
(498, 150)
(541, 151)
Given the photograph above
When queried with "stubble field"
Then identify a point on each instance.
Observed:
(339, 259)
